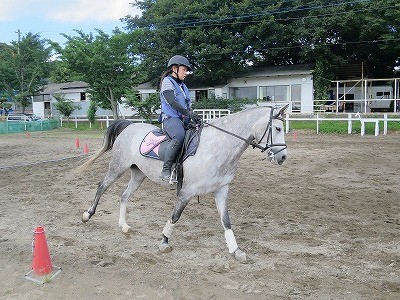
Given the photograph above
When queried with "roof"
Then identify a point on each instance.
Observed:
(62, 88)
(277, 71)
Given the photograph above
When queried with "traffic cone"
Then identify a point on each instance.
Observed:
(76, 143)
(86, 149)
(41, 261)
(295, 136)
(28, 134)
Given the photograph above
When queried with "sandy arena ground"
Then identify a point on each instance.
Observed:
(325, 225)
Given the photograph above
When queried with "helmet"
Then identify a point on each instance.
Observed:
(180, 61)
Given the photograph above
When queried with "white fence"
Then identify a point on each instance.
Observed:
(210, 114)
(205, 114)
(105, 119)
(350, 119)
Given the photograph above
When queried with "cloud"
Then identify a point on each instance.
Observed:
(10, 10)
(71, 11)
(76, 11)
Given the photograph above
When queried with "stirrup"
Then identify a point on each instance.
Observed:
(173, 178)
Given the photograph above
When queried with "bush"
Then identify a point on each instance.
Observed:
(233, 105)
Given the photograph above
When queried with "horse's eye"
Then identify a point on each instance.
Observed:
(278, 129)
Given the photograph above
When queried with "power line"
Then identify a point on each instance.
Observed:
(225, 21)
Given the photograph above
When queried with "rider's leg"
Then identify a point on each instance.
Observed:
(174, 128)
(173, 148)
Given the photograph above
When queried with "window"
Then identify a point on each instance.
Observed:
(83, 96)
(295, 97)
(275, 93)
(47, 105)
(243, 92)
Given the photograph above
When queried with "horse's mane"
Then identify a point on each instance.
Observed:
(223, 119)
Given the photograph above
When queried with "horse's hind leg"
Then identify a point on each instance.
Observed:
(111, 176)
(221, 200)
(137, 178)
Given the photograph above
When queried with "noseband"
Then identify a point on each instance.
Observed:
(268, 130)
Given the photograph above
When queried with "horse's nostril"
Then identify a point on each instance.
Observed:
(283, 157)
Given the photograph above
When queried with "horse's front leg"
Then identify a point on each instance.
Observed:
(221, 200)
(168, 228)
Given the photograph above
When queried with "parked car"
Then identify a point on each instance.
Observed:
(22, 117)
(34, 117)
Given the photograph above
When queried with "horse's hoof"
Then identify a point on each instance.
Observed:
(85, 217)
(164, 248)
(126, 228)
(240, 255)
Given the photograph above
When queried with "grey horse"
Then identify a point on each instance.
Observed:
(210, 170)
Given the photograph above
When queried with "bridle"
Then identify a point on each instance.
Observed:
(268, 132)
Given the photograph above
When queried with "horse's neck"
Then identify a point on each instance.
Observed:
(239, 124)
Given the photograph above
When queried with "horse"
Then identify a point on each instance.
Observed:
(210, 170)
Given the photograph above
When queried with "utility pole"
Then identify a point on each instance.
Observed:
(19, 38)
(21, 74)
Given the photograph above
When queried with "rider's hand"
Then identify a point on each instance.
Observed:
(193, 116)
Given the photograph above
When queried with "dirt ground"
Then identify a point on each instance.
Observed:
(325, 225)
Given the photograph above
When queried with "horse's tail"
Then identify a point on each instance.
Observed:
(109, 138)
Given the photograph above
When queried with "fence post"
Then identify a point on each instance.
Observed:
(76, 122)
(317, 123)
(107, 122)
(385, 116)
(349, 124)
(287, 122)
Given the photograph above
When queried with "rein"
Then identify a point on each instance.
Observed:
(252, 143)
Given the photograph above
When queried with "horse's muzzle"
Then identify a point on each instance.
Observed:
(277, 157)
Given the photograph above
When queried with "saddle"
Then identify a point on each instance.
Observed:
(154, 144)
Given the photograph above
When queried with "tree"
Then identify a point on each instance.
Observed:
(64, 106)
(146, 108)
(107, 63)
(91, 113)
(24, 67)
(222, 38)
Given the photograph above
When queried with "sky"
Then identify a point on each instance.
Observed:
(49, 18)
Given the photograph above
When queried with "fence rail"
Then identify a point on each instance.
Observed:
(350, 119)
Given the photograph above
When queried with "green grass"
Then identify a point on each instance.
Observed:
(340, 126)
(334, 127)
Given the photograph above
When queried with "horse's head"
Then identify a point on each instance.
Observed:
(272, 136)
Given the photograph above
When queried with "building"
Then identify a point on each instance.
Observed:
(75, 91)
(278, 85)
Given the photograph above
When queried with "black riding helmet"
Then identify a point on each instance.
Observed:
(180, 61)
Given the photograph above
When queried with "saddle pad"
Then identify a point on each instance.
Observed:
(151, 143)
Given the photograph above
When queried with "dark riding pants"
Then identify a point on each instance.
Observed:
(175, 128)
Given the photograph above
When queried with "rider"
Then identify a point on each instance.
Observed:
(175, 108)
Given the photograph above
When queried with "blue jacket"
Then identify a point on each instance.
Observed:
(182, 96)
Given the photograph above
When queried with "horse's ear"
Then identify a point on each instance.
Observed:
(283, 110)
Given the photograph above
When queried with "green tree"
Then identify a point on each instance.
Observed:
(65, 106)
(222, 38)
(24, 67)
(146, 108)
(107, 63)
(91, 113)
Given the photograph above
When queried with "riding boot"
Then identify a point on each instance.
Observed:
(173, 148)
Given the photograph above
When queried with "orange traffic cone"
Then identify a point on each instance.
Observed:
(76, 143)
(86, 149)
(28, 134)
(41, 262)
(295, 136)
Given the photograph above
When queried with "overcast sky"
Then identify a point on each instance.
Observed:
(49, 18)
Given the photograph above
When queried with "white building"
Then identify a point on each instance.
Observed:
(272, 85)
(77, 92)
